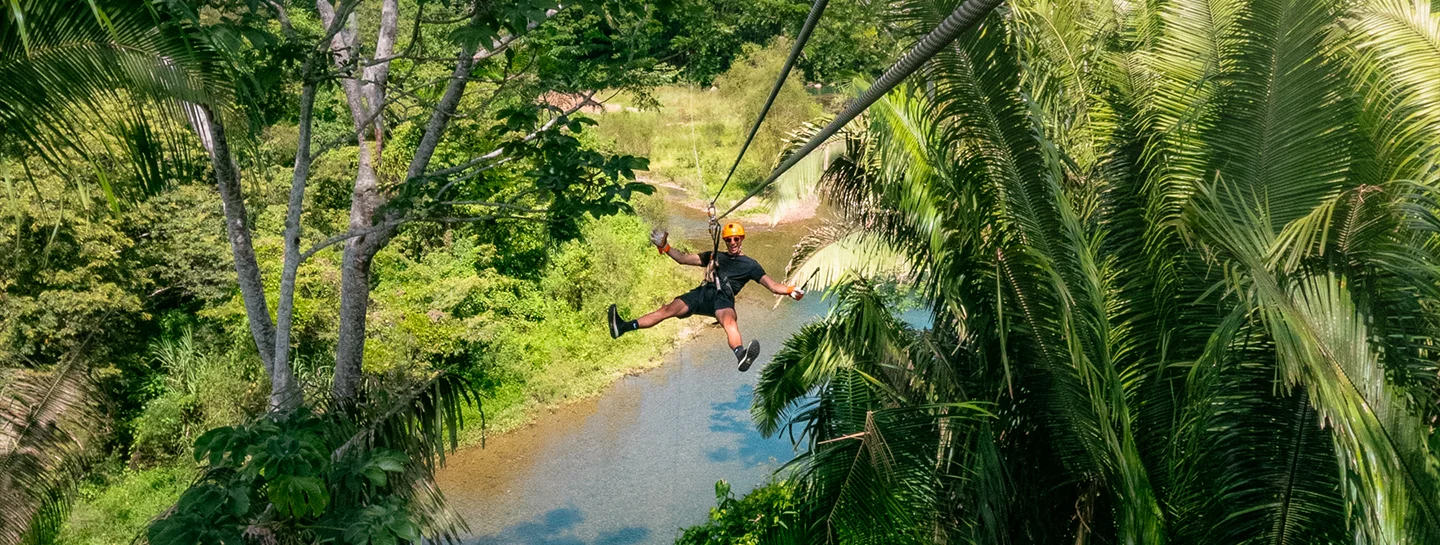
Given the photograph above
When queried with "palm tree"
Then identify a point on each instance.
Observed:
(74, 77)
(1179, 264)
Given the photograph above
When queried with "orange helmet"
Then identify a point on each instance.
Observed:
(732, 229)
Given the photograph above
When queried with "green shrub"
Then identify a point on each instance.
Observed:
(198, 390)
(165, 428)
(706, 127)
(548, 342)
(117, 511)
(762, 513)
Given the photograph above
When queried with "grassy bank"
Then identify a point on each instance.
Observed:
(693, 135)
(565, 352)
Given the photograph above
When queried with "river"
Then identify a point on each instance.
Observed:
(639, 462)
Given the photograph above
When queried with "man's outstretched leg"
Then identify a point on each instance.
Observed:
(619, 326)
(744, 356)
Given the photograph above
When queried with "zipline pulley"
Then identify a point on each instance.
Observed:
(715, 244)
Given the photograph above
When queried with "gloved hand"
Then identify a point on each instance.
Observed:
(658, 237)
(796, 293)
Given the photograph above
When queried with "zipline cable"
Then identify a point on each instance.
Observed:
(811, 21)
(804, 36)
(967, 15)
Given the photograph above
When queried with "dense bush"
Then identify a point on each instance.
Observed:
(707, 36)
(524, 342)
(764, 512)
(197, 391)
(118, 505)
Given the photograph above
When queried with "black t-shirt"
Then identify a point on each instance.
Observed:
(733, 272)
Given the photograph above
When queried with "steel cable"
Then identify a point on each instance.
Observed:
(963, 18)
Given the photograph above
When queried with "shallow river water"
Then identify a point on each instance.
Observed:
(639, 462)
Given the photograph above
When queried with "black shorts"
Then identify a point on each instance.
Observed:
(705, 300)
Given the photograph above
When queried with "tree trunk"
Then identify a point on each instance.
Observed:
(366, 199)
(285, 393)
(355, 277)
(247, 269)
(377, 75)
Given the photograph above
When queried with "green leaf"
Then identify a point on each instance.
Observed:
(297, 496)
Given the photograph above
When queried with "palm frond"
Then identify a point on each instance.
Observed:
(1060, 286)
(797, 186)
(1323, 344)
(424, 423)
(1393, 51)
(1285, 130)
(859, 332)
(48, 420)
(830, 253)
(75, 74)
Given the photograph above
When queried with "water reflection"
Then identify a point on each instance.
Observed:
(733, 417)
(558, 527)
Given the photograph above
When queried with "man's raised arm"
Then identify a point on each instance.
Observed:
(660, 240)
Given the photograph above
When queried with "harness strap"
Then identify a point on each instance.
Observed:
(710, 276)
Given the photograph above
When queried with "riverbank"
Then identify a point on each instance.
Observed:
(528, 343)
(510, 409)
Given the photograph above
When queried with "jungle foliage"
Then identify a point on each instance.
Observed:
(385, 249)
(1179, 264)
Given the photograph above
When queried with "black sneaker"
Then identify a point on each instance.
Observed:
(751, 352)
(614, 323)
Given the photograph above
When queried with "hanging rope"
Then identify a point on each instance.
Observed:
(967, 15)
(804, 36)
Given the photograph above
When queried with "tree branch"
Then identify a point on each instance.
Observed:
(390, 224)
(500, 151)
(283, 17)
(477, 172)
(342, 237)
(506, 206)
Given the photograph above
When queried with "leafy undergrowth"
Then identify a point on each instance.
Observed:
(758, 517)
(568, 354)
(528, 343)
(119, 508)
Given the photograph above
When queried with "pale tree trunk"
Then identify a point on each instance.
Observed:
(365, 200)
(378, 74)
(286, 394)
(355, 272)
(366, 100)
(247, 269)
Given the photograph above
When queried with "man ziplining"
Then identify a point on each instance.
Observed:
(715, 296)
